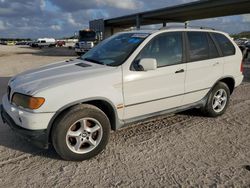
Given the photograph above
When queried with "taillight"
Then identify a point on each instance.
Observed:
(241, 66)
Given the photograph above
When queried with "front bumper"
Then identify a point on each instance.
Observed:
(27, 119)
(39, 138)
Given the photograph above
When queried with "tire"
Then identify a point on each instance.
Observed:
(81, 133)
(79, 53)
(215, 105)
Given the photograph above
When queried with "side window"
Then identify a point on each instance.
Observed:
(198, 46)
(165, 48)
(213, 52)
(225, 44)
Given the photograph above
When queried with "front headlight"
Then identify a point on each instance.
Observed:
(27, 101)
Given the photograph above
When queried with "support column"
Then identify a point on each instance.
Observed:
(138, 22)
(112, 30)
(164, 24)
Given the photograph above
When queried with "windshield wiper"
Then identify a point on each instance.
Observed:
(94, 61)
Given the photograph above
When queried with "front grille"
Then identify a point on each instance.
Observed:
(85, 45)
(8, 92)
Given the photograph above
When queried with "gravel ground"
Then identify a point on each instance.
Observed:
(181, 150)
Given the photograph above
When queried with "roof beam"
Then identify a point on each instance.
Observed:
(185, 12)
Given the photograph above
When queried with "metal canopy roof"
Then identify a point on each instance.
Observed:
(181, 13)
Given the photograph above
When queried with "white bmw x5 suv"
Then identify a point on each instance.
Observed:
(128, 77)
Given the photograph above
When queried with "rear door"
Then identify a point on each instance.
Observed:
(204, 66)
(231, 61)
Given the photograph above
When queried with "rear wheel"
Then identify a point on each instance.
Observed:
(218, 100)
(81, 133)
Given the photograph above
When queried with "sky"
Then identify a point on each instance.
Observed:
(62, 18)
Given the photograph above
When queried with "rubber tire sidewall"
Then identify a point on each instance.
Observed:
(61, 127)
(208, 110)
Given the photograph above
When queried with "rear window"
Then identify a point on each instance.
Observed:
(225, 44)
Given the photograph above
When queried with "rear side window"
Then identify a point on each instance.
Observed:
(225, 44)
(213, 51)
(198, 46)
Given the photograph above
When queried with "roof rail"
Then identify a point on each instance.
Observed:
(186, 27)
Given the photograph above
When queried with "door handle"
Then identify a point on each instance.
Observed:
(179, 71)
(215, 64)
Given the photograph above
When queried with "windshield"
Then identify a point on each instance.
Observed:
(87, 35)
(115, 50)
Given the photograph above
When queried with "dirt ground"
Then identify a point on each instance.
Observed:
(181, 150)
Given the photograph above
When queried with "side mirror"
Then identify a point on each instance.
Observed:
(148, 64)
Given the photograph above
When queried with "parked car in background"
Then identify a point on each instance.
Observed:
(247, 50)
(241, 41)
(11, 43)
(126, 78)
(32, 43)
(3, 42)
(22, 43)
(60, 43)
(244, 45)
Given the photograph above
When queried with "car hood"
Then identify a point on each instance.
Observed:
(33, 81)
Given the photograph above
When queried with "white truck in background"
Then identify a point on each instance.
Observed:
(87, 39)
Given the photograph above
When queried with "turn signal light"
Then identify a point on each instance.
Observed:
(27, 101)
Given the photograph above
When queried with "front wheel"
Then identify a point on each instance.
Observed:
(217, 101)
(81, 133)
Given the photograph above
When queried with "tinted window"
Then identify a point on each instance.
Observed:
(225, 44)
(213, 52)
(87, 35)
(198, 46)
(165, 48)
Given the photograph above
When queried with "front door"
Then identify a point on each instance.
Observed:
(148, 92)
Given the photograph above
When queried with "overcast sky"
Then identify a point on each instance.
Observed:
(59, 18)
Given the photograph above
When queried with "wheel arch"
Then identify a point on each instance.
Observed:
(229, 81)
(102, 103)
